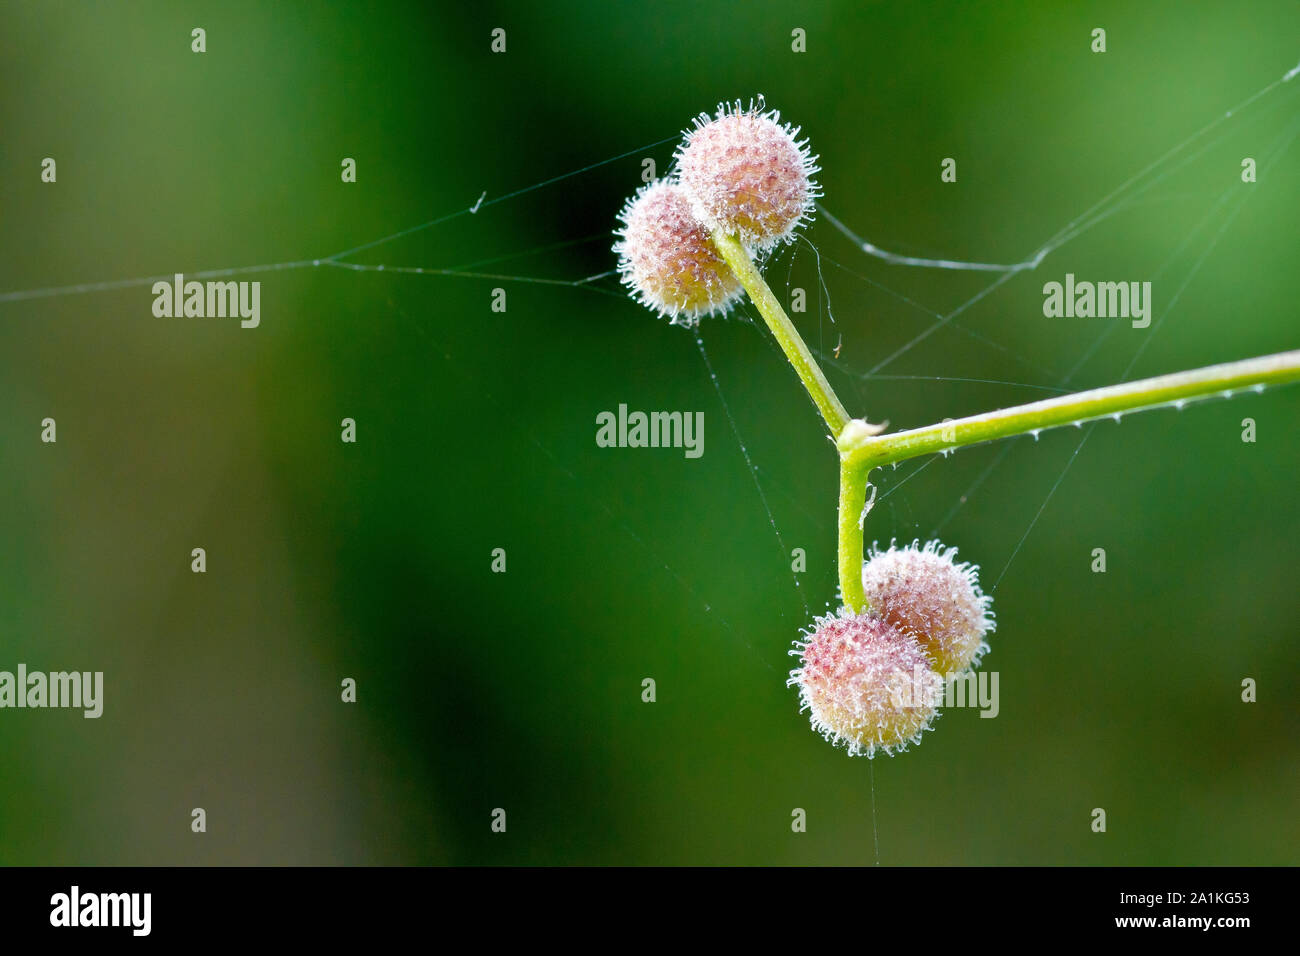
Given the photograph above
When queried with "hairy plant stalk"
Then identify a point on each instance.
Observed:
(823, 396)
(862, 452)
(853, 503)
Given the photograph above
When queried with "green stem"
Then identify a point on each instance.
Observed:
(787, 336)
(864, 452)
(853, 499)
(861, 450)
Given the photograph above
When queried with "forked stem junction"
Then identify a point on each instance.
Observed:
(862, 446)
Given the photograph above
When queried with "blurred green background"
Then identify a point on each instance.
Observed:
(476, 431)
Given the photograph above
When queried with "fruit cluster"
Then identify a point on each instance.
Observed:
(873, 681)
(740, 172)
